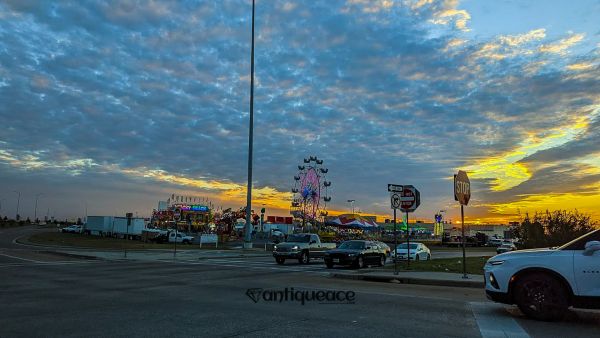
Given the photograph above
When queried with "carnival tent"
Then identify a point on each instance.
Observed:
(353, 221)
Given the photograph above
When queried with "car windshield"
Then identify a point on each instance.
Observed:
(405, 246)
(298, 238)
(352, 245)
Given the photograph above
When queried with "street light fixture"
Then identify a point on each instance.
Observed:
(36, 203)
(352, 202)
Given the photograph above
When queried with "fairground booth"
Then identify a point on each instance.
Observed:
(350, 226)
(192, 217)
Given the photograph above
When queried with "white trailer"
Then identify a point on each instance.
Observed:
(98, 225)
(134, 229)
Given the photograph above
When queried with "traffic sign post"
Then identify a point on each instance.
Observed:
(177, 216)
(411, 199)
(462, 194)
(406, 198)
(395, 201)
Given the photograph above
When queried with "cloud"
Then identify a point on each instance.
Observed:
(580, 66)
(505, 46)
(561, 47)
(149, 97)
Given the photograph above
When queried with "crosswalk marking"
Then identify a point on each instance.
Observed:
(494, 322)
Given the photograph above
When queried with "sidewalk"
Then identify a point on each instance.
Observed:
(416, 277)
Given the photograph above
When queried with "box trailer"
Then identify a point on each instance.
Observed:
(120, 227)
(98, 225)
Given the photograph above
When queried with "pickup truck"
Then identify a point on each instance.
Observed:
(181, 238)
(302, 247)
(543, 283)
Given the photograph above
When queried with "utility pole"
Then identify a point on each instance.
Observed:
(36, 203)
(18, 201)
(248, 234)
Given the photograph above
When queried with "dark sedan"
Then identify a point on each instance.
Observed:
(356, 253)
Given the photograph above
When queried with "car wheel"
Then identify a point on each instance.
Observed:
(541, 296)
(304, 259)
(280, 260)
(382, 260)
(329, 265)
(185, 242)
(417, 257)
(428, 257)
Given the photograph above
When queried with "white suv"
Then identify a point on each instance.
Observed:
(545, 282)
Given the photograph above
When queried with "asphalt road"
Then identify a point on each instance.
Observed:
(43, 294)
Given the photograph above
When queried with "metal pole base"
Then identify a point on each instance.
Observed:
(465, 277)
(247, 245)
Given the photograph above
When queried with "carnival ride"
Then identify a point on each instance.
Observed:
(310, 191)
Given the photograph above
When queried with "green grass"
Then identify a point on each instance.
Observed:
(474, 265)
(88, 241)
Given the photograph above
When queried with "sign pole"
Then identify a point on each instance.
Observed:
(175, 248)
(462, 216)
(407, 243)
(395, 245)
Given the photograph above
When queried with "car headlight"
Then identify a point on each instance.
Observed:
(295, 247)
(351, 254)
(496, 262)
(274, 247)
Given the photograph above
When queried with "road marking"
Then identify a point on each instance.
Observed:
(494, 322)
(9, 265)
(248, 266)
(23, 259)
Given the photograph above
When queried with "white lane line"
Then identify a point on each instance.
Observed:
(495, 322)
(8, 265)
(23, 259)
(282, 269)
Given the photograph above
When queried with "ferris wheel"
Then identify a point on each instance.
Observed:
(310, 190)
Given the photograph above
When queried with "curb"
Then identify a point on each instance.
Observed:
(410, 280)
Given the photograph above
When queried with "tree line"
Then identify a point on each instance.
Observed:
(553, 228)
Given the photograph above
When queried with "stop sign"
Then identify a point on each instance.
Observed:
(462, 188)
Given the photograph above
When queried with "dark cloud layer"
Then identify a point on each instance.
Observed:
(89, 86)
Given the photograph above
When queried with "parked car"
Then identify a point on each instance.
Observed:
(494, 242)
(543, 283)
(358, 253)
(418, 252)
(506, 247)
(386, 248)
(72, 229)
(180, 237)
(302, 247)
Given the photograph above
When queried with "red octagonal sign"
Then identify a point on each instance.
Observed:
(411, 198)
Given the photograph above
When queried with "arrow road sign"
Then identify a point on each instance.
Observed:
(395, 188)
(396, 200)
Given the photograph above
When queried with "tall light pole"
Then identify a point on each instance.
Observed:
(36, 203)
(1, 200)
(18, 201)
(248, 234)
(352, 203)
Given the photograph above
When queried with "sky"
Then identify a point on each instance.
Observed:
(111, 106)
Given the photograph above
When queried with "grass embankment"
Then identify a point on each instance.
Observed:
(474, 265)
(88, 241)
